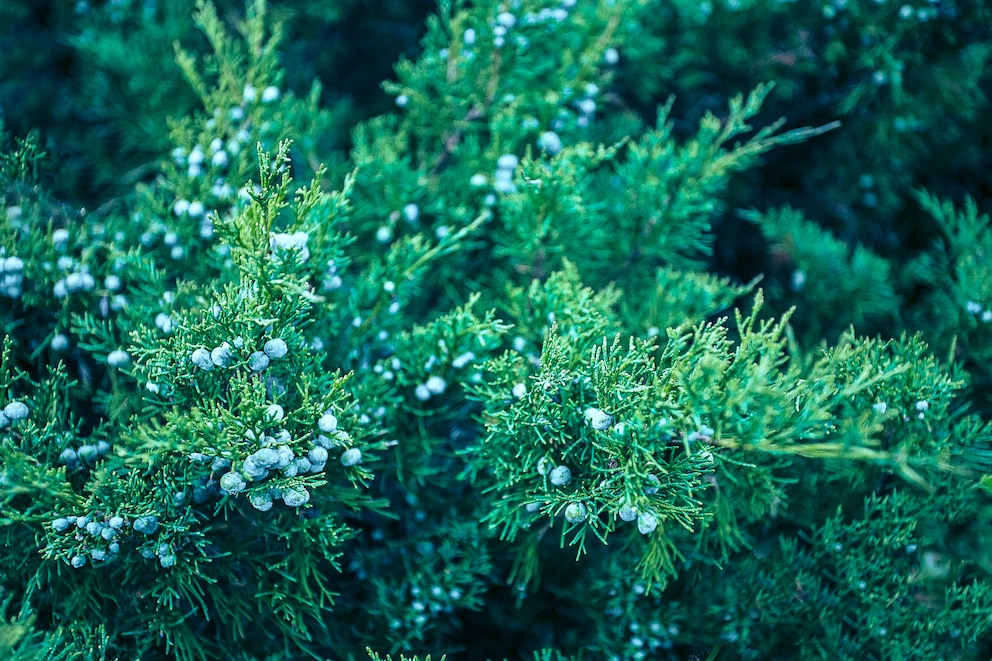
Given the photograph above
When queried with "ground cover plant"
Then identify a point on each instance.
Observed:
(587, 329)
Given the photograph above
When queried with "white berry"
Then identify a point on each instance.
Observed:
(118, 358)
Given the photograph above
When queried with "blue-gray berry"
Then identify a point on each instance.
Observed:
(258, 361)
(222, 356)
(232, 483)
(60, 524)
(266, 457)
(351, 457)
(98, 554)
(16, 410)
(260, 501)
(274, 413)
(285, 457)
(317, 455)
(251, 469)
(646, 523)
(295, 497)
(108, 533)
(118, 358)
(88, 453)
(69, 458)
(275, 348)
(560, 476)
(219, 464)
(576, 512)
(146, 524)
(653, 485)
(167, 560)
(327, 423)
(78, 561)
(598, 419)
(627, 512)
(201, 358)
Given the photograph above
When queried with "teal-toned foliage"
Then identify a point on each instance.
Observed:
(625, 330)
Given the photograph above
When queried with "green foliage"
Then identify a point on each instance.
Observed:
(850, 287)
(489, 375)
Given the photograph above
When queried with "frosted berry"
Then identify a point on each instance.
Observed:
(222, 356)
(201, 358)
(260, 501)
(435, 385)
(275, 348)
(98, 554)
(60, 524)
(78, 561)
(146, 524)
(232, 483)
(653, 485)
(167, 560)
(118, 358)
(295, 497)
(317, 455)
(252, 470)
(16, 410)
(598, 419)
(351, 457)
(550, 142)
(560, 476)
(219, 464)
(116, 522)
(274, 413)
(88, 453)
(627, 512)
(258, 361)
(576, 513)
(327, 423)
(285, 457)
(646, 523)
(266, 457)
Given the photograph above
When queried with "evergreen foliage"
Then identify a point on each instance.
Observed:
(489, 374)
